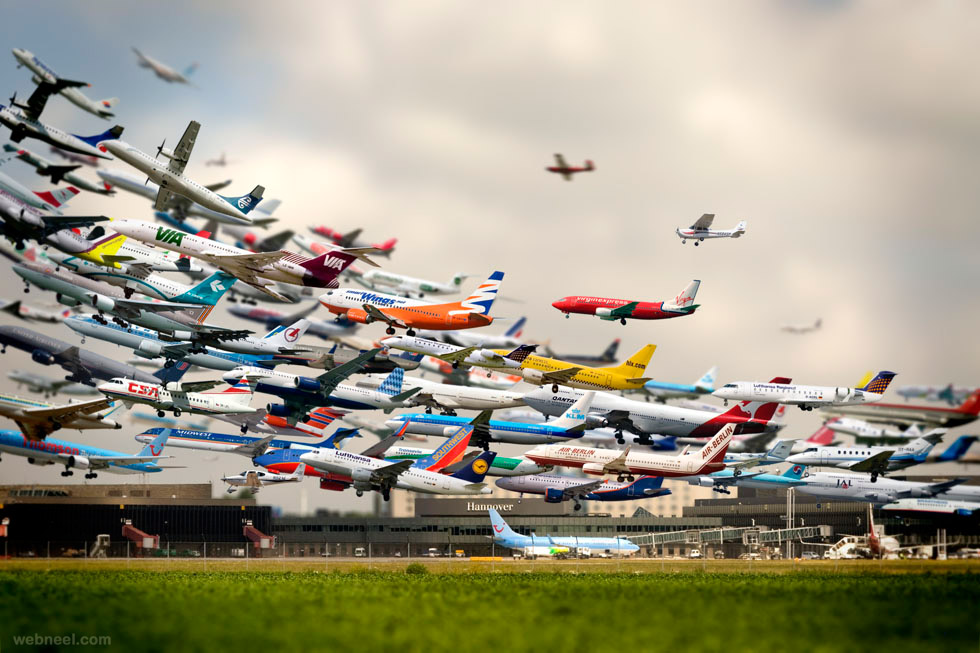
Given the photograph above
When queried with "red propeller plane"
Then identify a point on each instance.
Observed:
(566, 170)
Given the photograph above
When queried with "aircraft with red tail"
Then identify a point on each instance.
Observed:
(606, 308)
(562, 168)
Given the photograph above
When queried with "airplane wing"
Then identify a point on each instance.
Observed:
(581, 490)
(378, 450)
(618, 464)
(704, 222)
(560, 161)
(133, 307)
(375, 313)
(330, 380)
(255, 449)
(215, 187)
(68, 411)
(70, 360)
(72, 221)
(252, 480)
(876, 464)
(933, 489)
(348, 239)
(457, 356)
(199, 386)
(164, 198)
(35, 430)
(245, 267)
(560, 376)
(623, 311)
(39, 98)
(182, 153)
(389, 474)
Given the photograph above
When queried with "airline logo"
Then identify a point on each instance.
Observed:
(244, 202)
(141, 390)
(290, 335)
(479, 466)
(712, 445)
(334, 262)
(171, 236)
(156, 450)
(377, 300)
(498, 529)
(630, 363)
(217, 286)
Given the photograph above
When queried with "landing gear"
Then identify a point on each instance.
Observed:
(622, 321)
(244, 429)
(91, 475)
(176, 412)
(721, 490)
(485, 445)
(578, 506)
(120, 322)
(567, 316)
(67, 472)
(160, 413)
(410, 332)
(100, 318)
(455, 365)
(390, 331)
(874, 477)
(127, 292)
(359, 493)
(619, 438)
(696, 243)
(737, 472)
(168, 363)
(428, 410)
(386, 494)
(27, 288)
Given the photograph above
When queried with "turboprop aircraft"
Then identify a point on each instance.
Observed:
(622, 309)
(701, 229)
(182, 397)
(42, 74)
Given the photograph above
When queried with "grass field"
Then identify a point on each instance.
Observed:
(925, 606)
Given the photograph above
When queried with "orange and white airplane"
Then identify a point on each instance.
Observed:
(628, 375)
(365, 306)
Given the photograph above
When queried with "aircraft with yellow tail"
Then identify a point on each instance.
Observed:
(114, 250)
(628, 375)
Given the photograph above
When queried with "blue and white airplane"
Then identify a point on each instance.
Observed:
(534, 545)
(243, 445)
(557, 488)
(81, 456)
(662, 391)
(881, 459)
(721, 481)
(570, 426)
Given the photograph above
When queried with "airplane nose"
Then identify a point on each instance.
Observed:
(560, 304)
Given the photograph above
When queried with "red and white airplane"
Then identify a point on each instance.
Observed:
(352, 239)
(182, 397)
(562, 168)
(606, 308)
(598, 462)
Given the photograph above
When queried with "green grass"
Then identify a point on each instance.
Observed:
(546, 611)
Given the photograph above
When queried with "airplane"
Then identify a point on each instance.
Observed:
(23, 220)
(806, 397)
(83, 456)
(272, 318)
(449, 398)
(350, 239)
(242, 445)
(255, 479)
(626, 463)
(643, 418)
(172, 180)
(662, 391)
(23, 120)
(366, 307)
(164, 72)
(179, 208)
(220, 161)
(46, 386)
(254, 241)
(933, 507)
(457, 356)
(533, 545)
(538, 370)
(257, 270)
(570, 426)
(858, 487)
(108, 249)
(951, 394)
(20, 310)
(83, 159)
(875, 460)
(721, 481)
(607, 356)
(83, 366)
(42, 74)
(510, 338)
(382, 476)
(473, 376)
(557, 488)
(177, 398)
(405, 285)
(623, 309)
(910, 414)
(566, 171)
(290, 387)
(501, 466)
(777, 453)
(866, 432)
(802, 328)
(701, 229)
(58, 173)
(38, 419)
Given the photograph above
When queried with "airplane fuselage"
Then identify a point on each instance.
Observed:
(604, 306)
(23, 127)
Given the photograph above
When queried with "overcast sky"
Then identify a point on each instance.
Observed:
(844, 133)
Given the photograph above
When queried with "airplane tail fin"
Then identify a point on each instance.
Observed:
(392, 385)
(684, 301)
(209, 291)
(155, 446)
(482, 298)
(959, 447)
(823, 436)
(739, 229)
(781, 449)
(516, 328)
(287, 336)
(300, 471)
(755, 410)
(269, 207)
(500, 527)
(795, 472)
(707, 381)
(715, 450)
(388, 246)
(108, 103)
(972, 404)
(58, 197)
(190, 69)
(476, 470)
(574, 417)
(240, 393)
(818, 323)
(636, 365)
(246, 203)
(879, 383)
(449, 451)
(521, 352)
(335, 440)
(172, 374)
(108, 135)
(589, 165)
(610, 353)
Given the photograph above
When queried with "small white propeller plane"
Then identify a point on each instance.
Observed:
(702, 229)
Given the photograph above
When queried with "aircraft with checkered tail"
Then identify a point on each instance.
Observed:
(366, 307)
(259, 270)
(807, 397)
(45, 75)
(609, 309)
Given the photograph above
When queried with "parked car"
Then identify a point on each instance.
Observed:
(694, 554)
(810, 555)
(360, 552)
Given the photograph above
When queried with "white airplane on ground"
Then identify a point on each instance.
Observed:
(182, 397)
(38, 419)
(450, 398)
(802, 328)
(164, 72)
(807, 397)
(254, 479)
(626, 463)
(702, 229)
(402, 284)
(260, 271)
(71, 93)
(457, 356)
(58, 173)
(172, 180)
(46, 386)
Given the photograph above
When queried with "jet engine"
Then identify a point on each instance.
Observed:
(596, 421)
(603, 312)
(78, 462)
(554, 495)
(595, 469)
(39, 462)
(277, 410)
(361, 478)
(149, 349)
(42, 357)
(533, 376)
(306, 384)
(358, 315)
(103, 303)
(67, 301)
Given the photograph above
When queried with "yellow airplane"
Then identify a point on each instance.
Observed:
(625, 376)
